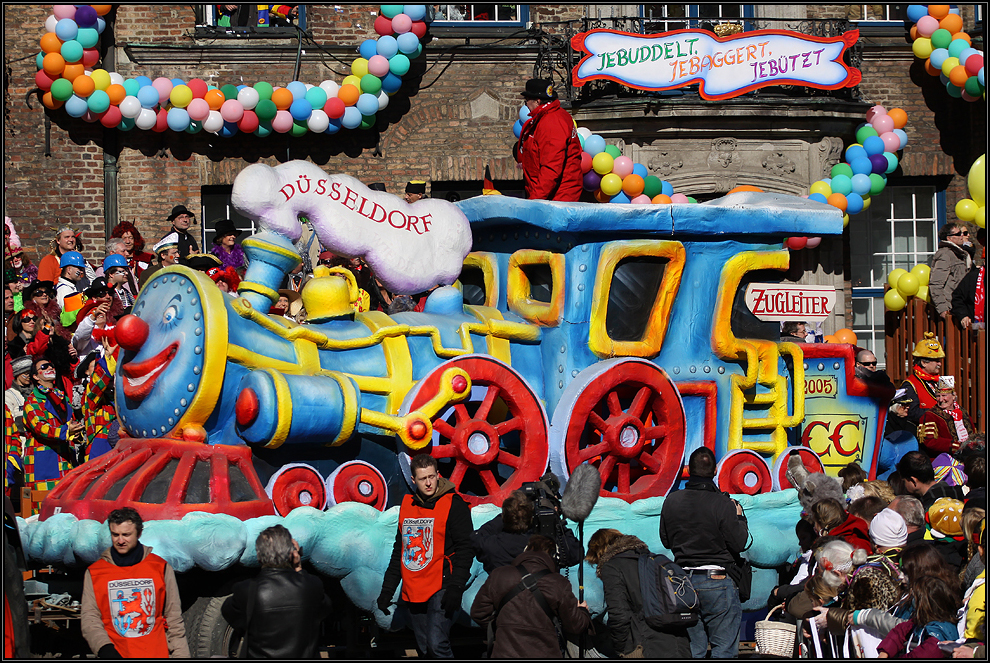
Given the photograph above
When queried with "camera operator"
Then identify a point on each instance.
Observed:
(502, 539)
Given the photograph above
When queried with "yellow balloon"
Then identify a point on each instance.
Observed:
(101, 78)
(922, 271)
(966, 209)
(949, 65)
(845, 220)
(980, 219)
(602, 163)
(977, 181)
(893, 300)
(895, 276)
(611, 183)
(923, 294)
(352, 80)
(180, 96)
(922, 48)
(866, 202)
(822, 188)
(908, 285)
(360, 67)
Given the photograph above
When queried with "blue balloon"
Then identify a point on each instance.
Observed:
(148, 96)
(368, 48)
(966, 53)
(333, 127)
(861, 165)
(666, 188)
(391, 83)
(818, 198)
(902, 136)
(386, 46)
(76, 106)
(980, 78)
(408, 43)
(142, 80)
(861, 184)
(944, 80)
(229, 129)
(300, 109)
(101, 24)
(523, 113)
(264, 129)
(854, 151)
(177, 81)
(352, 118)
(298, 90)
(40, 59)
(827, 180)
(916, 12)
(621, 198)
(892, 162)
(517, 128)
(873, 145)
(126, 123)
(939, 56)
(415, 12)
(640, 169)
(594, 144)
(177, 119)
(854, 202)
(367, 104)
(66, 29)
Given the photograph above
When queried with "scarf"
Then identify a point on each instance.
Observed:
(957, 418)
(233, 259)
(130, 559)
(980, 303)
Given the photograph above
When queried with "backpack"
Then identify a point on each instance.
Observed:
(669, 598)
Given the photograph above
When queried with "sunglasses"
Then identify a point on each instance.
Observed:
(44, 367)
(964, 233)
(867, 363)
(41, 293)
(28, 318)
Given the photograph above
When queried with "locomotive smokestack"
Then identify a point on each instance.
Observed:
(271, 258)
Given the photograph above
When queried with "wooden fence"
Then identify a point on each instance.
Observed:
(965, 353)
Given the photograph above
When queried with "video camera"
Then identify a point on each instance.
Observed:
(548, 519)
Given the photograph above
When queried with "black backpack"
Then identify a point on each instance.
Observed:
(669, 598)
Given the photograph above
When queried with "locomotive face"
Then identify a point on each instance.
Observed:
(172, 363)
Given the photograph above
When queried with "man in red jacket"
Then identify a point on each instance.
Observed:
(548, 148)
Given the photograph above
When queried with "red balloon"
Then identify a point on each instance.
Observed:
(198, 87)
(334, 108)
(383, 26)
(973, 64)
(585, 162)
(111, 118)
(248, 122)
(418, 28)
(161, 121)
(796, 243)
(43, 80)
(90, 56)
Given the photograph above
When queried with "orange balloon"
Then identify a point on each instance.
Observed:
(53, 64)
(50, 43)
(838, 200)
(215, 99)
(958, 76)
(965, 37)
(116, 92)
(914, 32)
(828, 338)
(601, 196)
(952, 23)
(899, 117)
(282, 99)
(73, 71)
(102, 10)
(84, 85)
(633, 184)
(348, 94)
(661, 199)
(51, 102)
(931, 69)
(846, 336)
(746, 187)
(938, 11)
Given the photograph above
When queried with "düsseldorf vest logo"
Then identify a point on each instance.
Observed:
(132, 606)
(417, 543)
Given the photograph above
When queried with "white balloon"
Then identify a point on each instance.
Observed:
(50, 23)
(318, 122)
(214, 122)
(382, 100)
(309, 86)
(584, 132)
(146, 119)
(130, 107)
(331, 88)
(116, 78)
(249, 98)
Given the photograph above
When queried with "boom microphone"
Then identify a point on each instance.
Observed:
(581, 493)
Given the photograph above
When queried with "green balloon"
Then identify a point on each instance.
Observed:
(72, 51)
(367, 121)
(614, 151)
(317, 97)
(229, 91)
(98, 102)
(399, 64)
(652, 186)
(264, 89)
(263, 130)
(126, 123)
(194, 127)
(391, 11)
(299, 128)
(877, 183)
(88, 37)
(955, 92)
(61, 89)
(131, 87)
(973, 86)
(941, 38)
(957, 46)
(865, 132)
(693, 200)
(370, 84)
(265, 110)
(842, 169)
(40, 59)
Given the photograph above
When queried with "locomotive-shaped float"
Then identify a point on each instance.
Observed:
(613, 335)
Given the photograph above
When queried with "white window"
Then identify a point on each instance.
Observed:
(663, 18)
(485, 13)
(877, 13)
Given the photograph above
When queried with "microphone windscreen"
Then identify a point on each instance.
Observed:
(581, 493)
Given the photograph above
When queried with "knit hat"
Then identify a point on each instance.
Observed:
(21, 365)
(888, 529)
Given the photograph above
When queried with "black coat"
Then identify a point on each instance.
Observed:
(494, 547)
(288, 609)
(964, 297)
(700, 526)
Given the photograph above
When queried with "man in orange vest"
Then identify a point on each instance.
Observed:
(130, 604)
(432, 557)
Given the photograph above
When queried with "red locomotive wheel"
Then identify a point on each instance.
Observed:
(625, 417)
(357, 481)
(294, 486)
(809, 458)
(743, 472)
(493, 442)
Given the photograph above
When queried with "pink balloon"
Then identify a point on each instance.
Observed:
(679, 198)
(804, 195)
(875, 112)
(164, 88)
(401, 23)
(90, 116)
(622, 166)
(883, 124)
(198, 109)
(64, 11)
(231, 110)
(968, 97)
(891, 143)
(927, 25)
(813, 242)
(282, 121)
(378, 66)
(641, 199)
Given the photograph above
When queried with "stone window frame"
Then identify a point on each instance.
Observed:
(204, 29)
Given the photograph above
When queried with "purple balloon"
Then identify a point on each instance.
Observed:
(879, 163)
(85, 16)
(593, 180)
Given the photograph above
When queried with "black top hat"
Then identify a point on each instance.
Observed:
(416, 186)
(539, 88)
(180, 209)
(97, 288)
(34, 286)
(223, 228)
(201, 261)
(377, 186)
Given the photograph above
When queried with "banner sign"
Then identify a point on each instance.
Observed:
(725, 67)
(778, 302)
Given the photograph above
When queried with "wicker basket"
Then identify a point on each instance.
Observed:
(775, 638)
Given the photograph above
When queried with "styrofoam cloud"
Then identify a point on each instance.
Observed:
(411, 248)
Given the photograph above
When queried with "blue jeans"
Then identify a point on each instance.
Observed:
(431, 627)
(721, 617)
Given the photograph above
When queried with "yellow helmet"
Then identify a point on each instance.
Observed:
(928, 347)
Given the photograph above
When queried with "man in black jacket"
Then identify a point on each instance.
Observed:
(280, 611)
(705, 529)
